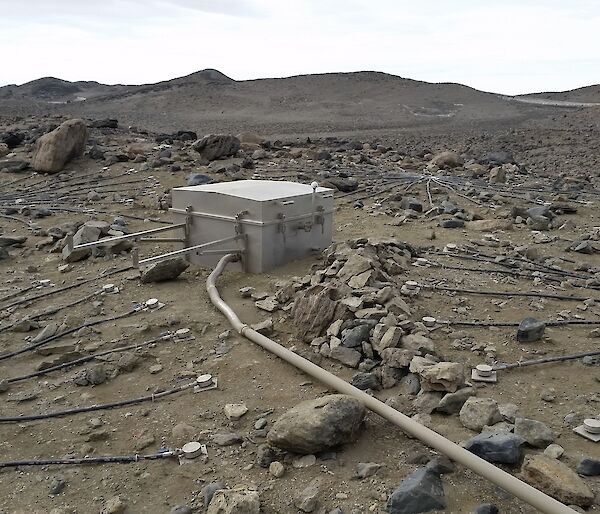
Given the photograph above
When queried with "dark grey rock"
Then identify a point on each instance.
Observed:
(535, 433)
(354, 337)
(441, 465)
(57, 485)
(497, 158)
(266, 454)
(485, 508)
(449, 207)
(530, 330)
(198, 179)
(420, 492)
(366, 381)
(503, 448)
(453, 402)
(214, 146)
(411, 203)
(589, 467)
(453, 223)
(168, 269)
(209, 490)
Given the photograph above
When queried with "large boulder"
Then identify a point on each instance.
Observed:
(57, 148)
(317, 425)
(214, 146)
(557, 480)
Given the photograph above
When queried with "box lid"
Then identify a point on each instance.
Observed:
(257, 190)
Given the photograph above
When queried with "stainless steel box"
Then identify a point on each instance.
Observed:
(281, 221)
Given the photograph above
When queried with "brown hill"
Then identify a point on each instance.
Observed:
(208, 100)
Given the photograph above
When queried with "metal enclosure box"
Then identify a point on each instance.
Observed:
(280, 221)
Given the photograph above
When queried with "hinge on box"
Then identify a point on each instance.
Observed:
(239, 229)
(281, 225)
(320, 218)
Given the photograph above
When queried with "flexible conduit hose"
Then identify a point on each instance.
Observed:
(506, 481)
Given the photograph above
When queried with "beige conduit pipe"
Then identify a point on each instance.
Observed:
(506, 481)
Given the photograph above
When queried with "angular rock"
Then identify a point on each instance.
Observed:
(313, 311)
(390, 339)
(209, 490)
(318, 425)
(422, 491)
(417, 343)
(234, 501)
(443, 376)
(366, 381)
(57, 148)
(530, 330)
(235, 411)
(162, 271)
(307, 499)
(447, 160)
(500, 448)
(535, 433)
(214, 146)
(366, 469)
(557, 480)
(589, 467)
(346, 356)
(478, 412)
(451, 403)
(354, 337)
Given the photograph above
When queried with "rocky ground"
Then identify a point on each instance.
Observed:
(478, 227)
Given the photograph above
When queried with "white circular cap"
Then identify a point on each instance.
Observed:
(108, 287)
(314, 185)
(204, 380)
(592, 425)
(411, 283)
(152, 303)
(422, 260)
(192, 449)
(182, 332)
(429, 320)
(484, 370)
(451, 246)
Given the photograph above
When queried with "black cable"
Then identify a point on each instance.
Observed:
(522, 364)
(88, 460)
(66, 288)
(97, 407)
(31, 347)
(87, 358)
(555, 323)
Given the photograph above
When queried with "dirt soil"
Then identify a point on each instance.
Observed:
(557, 158)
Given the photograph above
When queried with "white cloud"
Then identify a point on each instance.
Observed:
(509, 47)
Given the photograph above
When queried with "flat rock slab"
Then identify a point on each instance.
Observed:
(557, 480)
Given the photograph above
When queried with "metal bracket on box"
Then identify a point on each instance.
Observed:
(139, 237)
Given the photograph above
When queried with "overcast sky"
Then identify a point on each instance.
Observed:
(506, 46)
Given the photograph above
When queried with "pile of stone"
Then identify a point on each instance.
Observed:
(351, 309)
